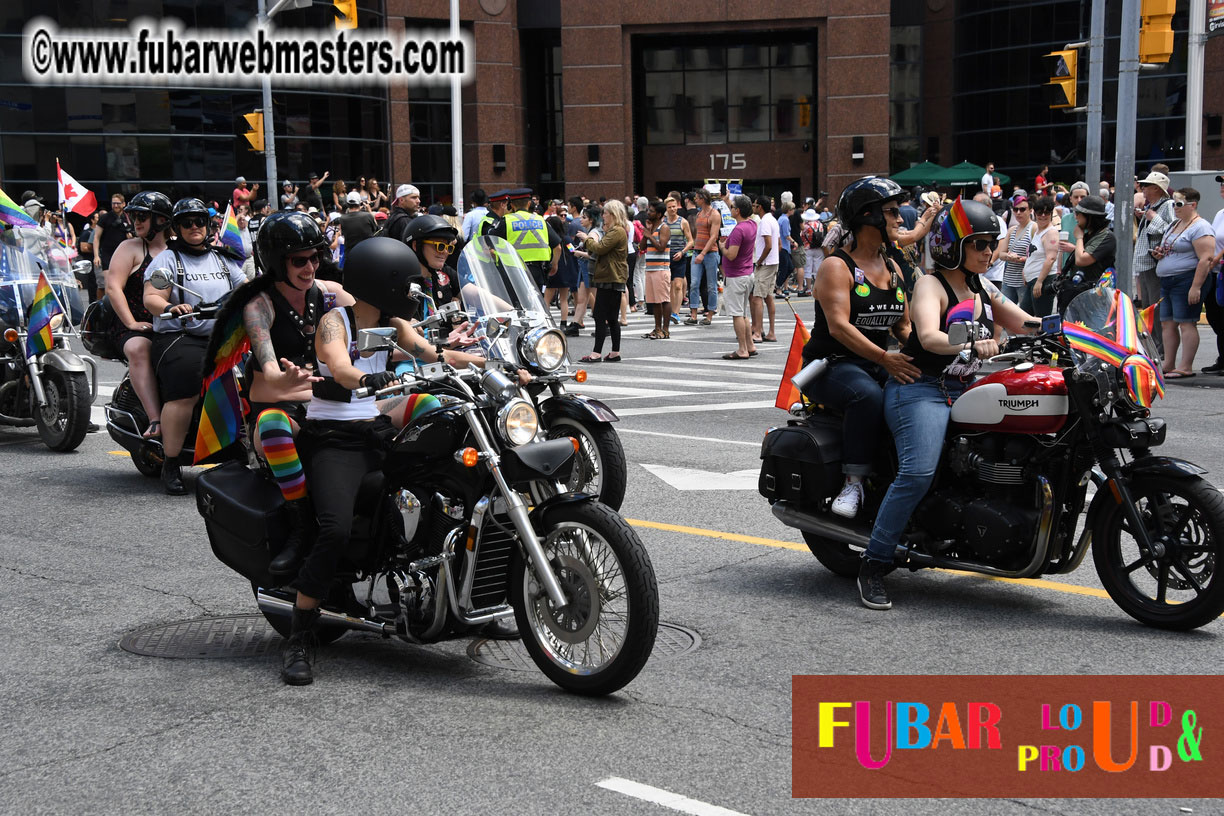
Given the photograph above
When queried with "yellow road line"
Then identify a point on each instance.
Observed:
(125, 453)
(1039, 583)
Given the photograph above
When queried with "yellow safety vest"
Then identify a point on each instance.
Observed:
(487, 224)
(528, 234)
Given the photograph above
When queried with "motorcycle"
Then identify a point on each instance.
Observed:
(1070, 406)
(496, 286)
(52, 391)
(443, 541)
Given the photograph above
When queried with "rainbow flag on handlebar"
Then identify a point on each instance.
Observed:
(1089, 342)
(45, 306)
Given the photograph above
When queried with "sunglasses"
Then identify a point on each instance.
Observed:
(1022, 209)
(983, 244)
(446, 247)
(301, 261)
(895, 212)
(193, 222)
(141, 216)
(1181, 203)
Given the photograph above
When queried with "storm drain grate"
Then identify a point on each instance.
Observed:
(671, 641)
(226, 636)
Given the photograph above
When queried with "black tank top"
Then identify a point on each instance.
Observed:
(873, 311)
(292, 334)
(935, 365)
(133, 289)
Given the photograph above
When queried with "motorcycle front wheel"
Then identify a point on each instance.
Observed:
(598, 642)
(599, 466)
(1177, 584)
(64, 421)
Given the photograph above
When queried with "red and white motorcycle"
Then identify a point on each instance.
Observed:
(1023, 443)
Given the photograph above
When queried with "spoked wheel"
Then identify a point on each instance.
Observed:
(837, 557)
(600, 640)
(1177, 583)
(599, 465)
(64, 421)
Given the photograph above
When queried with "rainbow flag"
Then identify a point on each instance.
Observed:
(44, 307)
(956, 226)
(12, 214)
(1128, 322)
(220, 418)
(962, 312)
(1143, 379)
(788, 394)
(1148, 316)
(230, 235)
(1107, 279)
(1089, 342)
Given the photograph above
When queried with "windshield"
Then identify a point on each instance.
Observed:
(493, 283)
(1106, 332)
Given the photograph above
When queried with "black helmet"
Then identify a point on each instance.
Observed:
(283, 232)
(954, 225)
(428, 226)
(379, 271)
(862, 202)
(156, 204)
(185, 207)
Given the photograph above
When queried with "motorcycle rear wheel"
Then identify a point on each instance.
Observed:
(1182, 588)
(602, 639)
(837, 557)
(599, 466)
(63, 423)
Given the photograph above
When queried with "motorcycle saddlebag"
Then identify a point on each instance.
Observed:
(242, 512)
(801, 463)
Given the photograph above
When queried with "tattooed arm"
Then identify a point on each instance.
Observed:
(332, 349)
(412, 342)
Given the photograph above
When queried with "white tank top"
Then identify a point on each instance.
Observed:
(363, 408)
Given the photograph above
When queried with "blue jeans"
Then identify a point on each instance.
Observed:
(705, 272)
(1012, 293)
(917, 414)
(850, 388)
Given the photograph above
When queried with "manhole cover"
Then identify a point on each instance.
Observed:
(671, 641)
(226, 636)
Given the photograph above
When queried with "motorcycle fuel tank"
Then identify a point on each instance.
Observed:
(1028, 399)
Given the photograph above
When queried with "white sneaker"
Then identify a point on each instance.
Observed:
(848, 500)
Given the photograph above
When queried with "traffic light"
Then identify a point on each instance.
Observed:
(1156, 30)
(1060, 90)
(346, 14)
(256, 135)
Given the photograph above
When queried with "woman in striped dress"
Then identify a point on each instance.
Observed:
(1016, 251)
(656, 244)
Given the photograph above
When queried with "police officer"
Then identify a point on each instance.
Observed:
(496, 211)
(532, 238)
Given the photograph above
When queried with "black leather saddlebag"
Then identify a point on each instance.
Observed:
(801, 463)
(242, 513)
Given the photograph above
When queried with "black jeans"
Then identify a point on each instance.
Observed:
(1215, 313)
(607, 318)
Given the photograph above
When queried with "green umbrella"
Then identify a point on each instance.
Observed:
(919, 174)
(964, 174)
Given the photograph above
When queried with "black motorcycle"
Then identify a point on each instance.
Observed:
(444, 542)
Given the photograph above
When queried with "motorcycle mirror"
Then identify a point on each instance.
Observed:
(958, 334)
(159, 279)
(82, 267)
(376, 339)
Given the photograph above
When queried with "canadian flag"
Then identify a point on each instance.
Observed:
(73, 195)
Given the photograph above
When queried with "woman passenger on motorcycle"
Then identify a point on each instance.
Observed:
(859, 302)
(433, 239)
(965, 236)
(179, 344)
(150, 214)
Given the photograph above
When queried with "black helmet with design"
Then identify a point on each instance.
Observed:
(957, 223)
(862, 202)
(156, 204)
(283, 232)
(380, 271)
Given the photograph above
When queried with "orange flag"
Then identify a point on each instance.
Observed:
(787, 393)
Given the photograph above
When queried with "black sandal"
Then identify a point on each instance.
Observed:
(153, 431)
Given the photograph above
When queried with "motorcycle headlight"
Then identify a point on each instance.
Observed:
(544, 348)
(518, 422)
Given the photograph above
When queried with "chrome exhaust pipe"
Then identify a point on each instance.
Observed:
(270, 603)
(792, 516)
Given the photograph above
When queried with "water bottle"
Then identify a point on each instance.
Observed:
(809, 374)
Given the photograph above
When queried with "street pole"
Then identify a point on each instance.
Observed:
(1124, 159)
(1196, 42)
(269, 131)
(456, 96)
(1096, 89)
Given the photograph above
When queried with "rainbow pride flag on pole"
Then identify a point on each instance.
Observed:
(12, 214)
(44, 307)
(231, 236)
(220, 418)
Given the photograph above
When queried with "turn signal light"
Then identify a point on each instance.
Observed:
(10, 335)
(470, 457)
(580, 375)
(574, 442)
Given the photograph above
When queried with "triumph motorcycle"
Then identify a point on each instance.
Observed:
(1069, 409)
(517, 326)
(445, 539)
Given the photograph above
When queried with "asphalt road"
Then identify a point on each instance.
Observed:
(91, 551)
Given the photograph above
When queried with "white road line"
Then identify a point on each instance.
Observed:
(667, 799)
(600, 378)
(686, 409)
(769, 390)
(608, 391)
(716, 363)
(693, 438)
(695, 368)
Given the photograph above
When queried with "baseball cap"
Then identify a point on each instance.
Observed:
(1081, 185)
(406, 190)
(353, 197)
(380, 216)
(333, 217)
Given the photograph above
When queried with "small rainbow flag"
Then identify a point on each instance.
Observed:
(1089, 342)
(220, 418)
(44, 307)
(1143, 379)
(956, 226)
(1107, 279)
(1128, 322)
(962, 312)
(231, 236)
(1148, 317)
(12, 214)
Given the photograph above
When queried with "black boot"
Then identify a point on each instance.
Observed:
(297, 543)
(172, 478)
(501, 629)
(299, 648)
(872, 592)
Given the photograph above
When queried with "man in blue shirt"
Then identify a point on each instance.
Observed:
(472, 219)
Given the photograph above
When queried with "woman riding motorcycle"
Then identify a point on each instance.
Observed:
(179, 344)
(433, 239)
(965, 236)
(150, 213)
(859, 302)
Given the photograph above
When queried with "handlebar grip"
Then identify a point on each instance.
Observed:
(362, 393)
(167, 316)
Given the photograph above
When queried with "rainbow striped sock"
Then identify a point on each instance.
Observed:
(276, 436)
